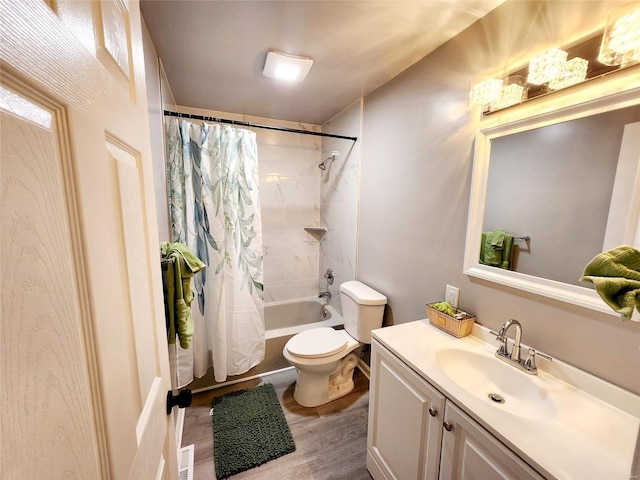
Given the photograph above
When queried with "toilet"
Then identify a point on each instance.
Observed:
(325, 358)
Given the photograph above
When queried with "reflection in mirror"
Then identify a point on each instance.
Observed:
(555, 184)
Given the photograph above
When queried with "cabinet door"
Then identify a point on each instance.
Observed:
(469, 452)
(405, 427)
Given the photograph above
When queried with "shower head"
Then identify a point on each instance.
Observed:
(323, 166)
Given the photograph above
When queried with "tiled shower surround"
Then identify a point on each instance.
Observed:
(290, 201)
(295, 194)
(340, 185)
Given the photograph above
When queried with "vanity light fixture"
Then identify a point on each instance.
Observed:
(486, 91)
(546, 66)
(574, 71)
(496, 93)
(514, 91)
(621, 39)
(284, 66)
(550, 70)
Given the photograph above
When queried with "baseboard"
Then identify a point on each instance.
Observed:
(180, 413)
(373, 468)
(240, 380)
(364, 368)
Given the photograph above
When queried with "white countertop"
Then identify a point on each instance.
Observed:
(591, 433)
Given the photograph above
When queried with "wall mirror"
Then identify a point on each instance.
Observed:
(563, 170)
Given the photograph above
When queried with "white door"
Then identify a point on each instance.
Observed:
(84, 366)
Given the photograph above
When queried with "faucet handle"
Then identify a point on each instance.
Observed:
(329, 276)
(502, 338)
(530, 361)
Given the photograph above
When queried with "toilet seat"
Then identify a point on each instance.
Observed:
(317, 343)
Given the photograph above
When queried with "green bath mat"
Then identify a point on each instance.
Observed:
(249, 429)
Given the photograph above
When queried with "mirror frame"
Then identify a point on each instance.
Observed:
(615, 90)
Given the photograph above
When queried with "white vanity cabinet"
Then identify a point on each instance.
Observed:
(405, 421)
(416, 433)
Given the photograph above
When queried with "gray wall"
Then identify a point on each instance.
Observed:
(417, 155)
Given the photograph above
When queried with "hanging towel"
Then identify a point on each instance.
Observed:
(489, 255)
(507, 253)
(177, 291)
(497, 238)
(496, 249)
(616, 277)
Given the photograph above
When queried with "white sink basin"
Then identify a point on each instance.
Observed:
(493, 380)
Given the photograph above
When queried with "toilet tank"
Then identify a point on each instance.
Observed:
(362, 309)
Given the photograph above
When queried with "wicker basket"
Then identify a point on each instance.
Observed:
(458, 326)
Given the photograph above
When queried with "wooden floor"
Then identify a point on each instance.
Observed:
(331, 440)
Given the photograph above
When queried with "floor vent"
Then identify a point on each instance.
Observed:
(186, 463)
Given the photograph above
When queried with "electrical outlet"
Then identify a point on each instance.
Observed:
(451, 295)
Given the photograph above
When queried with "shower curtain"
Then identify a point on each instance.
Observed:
(215, 210)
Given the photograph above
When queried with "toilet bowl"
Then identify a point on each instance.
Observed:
(325, 358)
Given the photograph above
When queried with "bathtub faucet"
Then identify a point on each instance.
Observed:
(326, 295)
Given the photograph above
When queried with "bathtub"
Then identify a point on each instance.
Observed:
(284, 319)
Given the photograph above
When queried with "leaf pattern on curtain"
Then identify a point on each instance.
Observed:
(176, 178)
(213, 178)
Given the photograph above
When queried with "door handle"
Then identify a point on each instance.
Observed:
(448, 426)
(182, 400)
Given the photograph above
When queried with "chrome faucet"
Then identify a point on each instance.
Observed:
(326, 295)
(329, 278)
(502, 338)
(529, 364)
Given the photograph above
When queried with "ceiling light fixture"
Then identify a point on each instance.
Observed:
(285, 66)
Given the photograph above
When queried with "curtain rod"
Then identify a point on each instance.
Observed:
(256, 125)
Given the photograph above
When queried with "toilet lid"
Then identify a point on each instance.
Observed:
(317, 343)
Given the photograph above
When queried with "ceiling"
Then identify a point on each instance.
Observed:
(213, 51)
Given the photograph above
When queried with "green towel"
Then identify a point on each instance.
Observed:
(497, 238)
(616, 276)
(177, 291)
(507, 253)
(496, 249)
(489, 255)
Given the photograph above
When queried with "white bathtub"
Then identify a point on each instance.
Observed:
(289, 317)
(282, 321)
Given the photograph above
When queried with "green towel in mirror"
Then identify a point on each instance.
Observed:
(489, 255)
(616, 277)
(496, 249)
(497, 238)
